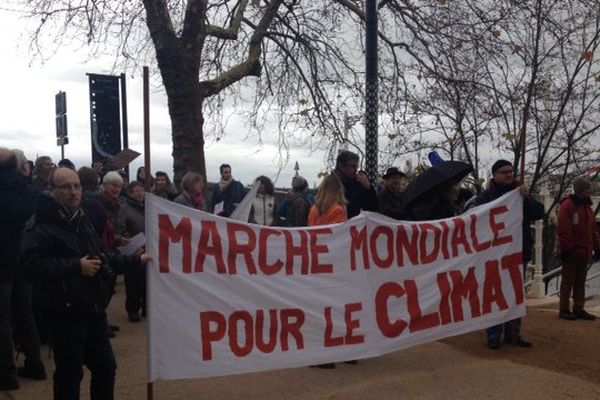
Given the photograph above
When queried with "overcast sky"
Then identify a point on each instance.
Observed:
(28, 109)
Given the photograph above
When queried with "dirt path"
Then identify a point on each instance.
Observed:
(563, 364)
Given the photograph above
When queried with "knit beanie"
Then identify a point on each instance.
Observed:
(581, 184)
(299, 183)
(499, 164)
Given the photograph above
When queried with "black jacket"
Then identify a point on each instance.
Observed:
(51, 251)
(532, 210)
(17, 201)
(233, 194)
(357, 196)
(390, 204)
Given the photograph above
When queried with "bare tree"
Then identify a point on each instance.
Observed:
(486, 72)
(305, 58)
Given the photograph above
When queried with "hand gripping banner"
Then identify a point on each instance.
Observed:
(227, 297)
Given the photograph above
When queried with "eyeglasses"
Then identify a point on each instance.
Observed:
(506, 171)
(69, 186)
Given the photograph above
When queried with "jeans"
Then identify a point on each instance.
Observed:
(78, 340)
(512, 329)
(15, 301)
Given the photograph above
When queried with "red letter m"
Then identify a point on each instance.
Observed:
(168, 234)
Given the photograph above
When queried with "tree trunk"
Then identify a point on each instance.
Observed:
(185, 110)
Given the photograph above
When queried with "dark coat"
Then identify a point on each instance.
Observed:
(357, 196)
(297, 209)
(131, 216)
(232, 194)
(390, 204)
(532, 211)
(17, 201)
(170, 193)
(51, 251)
(96, 212)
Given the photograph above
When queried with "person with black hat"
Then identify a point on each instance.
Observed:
(577, 239)
(503, 181)
(389, 200)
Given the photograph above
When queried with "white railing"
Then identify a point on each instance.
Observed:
(557, 290)
(537, 287)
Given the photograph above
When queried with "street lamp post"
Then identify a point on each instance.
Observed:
(371, 91)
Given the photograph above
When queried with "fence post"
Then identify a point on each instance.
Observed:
(538, 288)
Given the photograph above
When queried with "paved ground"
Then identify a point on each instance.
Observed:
(563, 364)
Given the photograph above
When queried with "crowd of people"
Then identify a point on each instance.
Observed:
(62, 229)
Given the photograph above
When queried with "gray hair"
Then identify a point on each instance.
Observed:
(21, 159)
(112, 177)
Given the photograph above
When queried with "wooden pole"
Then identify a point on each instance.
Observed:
(147, 182)
(150, 391)
(124, 119)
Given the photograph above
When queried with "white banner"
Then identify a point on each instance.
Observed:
(227, 297)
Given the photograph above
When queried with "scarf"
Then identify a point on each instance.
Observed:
(223, 184)
(85, 231)
(198, 201)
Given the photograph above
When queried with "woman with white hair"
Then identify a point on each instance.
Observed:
(112, 183)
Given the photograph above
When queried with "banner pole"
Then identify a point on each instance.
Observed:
(147, 182)
(150, 391)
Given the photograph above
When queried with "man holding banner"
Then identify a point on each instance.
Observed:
(503, 181)
(227, 297)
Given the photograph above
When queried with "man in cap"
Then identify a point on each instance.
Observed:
(503, 181)
(578, 239)
(389, 200)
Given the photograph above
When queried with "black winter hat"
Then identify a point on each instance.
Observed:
(393, 171)
(499, 164)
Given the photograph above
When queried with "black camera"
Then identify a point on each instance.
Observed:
(105, 272)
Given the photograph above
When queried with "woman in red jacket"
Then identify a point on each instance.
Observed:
(330, 204)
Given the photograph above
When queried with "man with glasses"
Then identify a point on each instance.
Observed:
(62, 251)
(503, 181)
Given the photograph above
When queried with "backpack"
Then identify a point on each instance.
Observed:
(292, 214)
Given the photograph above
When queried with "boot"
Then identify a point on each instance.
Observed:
(567, 315)
(9, 383)
(582, 314)
(32, 370)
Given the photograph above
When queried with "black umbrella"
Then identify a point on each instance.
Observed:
(445, 173)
